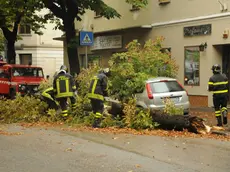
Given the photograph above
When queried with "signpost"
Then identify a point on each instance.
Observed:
(86, 39)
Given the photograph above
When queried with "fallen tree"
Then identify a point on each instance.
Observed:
(171, 121)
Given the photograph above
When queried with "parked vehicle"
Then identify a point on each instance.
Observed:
(24, 79)
(158, 89)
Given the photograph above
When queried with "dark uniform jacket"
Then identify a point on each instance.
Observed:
(218, 84)
(98, 87)
(64, 85)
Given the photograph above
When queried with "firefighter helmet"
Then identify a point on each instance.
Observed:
(64, 67)
(216, 68)
(106, 71)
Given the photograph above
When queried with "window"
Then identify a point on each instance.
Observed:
(164, 2)
(192, 66)
(25, 59)
(27, 72)
(24, 29)
(3, 74)
(165, 87)
(92, 60)
(97, 13)
(134, 8)
(166, 51)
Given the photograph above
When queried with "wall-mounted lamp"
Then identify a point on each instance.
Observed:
(203, 46)
(225, 33)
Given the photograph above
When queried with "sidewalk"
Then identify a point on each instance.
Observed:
(205, 109)
(202, 109)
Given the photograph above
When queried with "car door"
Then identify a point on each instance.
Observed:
(4, 82)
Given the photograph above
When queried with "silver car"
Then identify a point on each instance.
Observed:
(158, 89)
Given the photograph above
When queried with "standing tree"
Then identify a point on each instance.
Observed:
(69, 10)
(14, 12)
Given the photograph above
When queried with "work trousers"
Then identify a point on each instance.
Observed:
(51, 103)
(98, 109)
(220, 105)
(63, 103)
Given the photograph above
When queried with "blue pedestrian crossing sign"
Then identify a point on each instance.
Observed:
(86, 38)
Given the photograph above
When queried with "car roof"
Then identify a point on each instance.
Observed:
(157, 79)
(21, 66)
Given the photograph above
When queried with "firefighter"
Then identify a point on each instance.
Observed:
(64, 88)
(97, 91)
(49, 97)
(218, 84)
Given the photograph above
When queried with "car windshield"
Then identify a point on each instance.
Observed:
(27, 72)
(166, 86)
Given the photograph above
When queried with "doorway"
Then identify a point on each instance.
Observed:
(226, 64)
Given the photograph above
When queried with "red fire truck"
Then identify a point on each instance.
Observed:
(23, 79)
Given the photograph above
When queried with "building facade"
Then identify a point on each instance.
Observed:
(196, 32)
(40, 50)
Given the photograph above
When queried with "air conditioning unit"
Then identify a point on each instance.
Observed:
(162, 2)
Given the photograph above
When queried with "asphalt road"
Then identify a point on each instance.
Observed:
(40, 150)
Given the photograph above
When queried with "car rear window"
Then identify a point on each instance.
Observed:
(166, 86)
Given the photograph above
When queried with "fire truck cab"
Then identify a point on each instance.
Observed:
(23, 79)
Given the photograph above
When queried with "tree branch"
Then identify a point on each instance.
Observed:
(54, 8)
(16, 23)
(63, 6)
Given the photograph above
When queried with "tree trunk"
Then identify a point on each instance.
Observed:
(11, 54)
(72, 46)
(11, 39)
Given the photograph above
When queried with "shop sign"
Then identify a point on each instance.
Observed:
(107, 42)
(198, 30)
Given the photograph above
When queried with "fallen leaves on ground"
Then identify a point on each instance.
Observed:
(6, 133)
(157, 132)
(137, 165)
(69, 150)
(41, 124)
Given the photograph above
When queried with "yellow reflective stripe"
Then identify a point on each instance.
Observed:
(218, 114)
(210, 83)
(94, 85)
(98, 115)
(58, 86)
(64, 115)
(95, 96)
(220, 83)
(47, 95)
(69, 94)
(49, 89)
(219, 92)
(224, 108)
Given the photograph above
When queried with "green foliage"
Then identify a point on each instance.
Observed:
(44, 85)
(137, 118)
(130, 69)
(26, 109)
(89, 120)
(83, 79)
(171, 109)
(76, 9)
(14, 12)
(138, 3)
